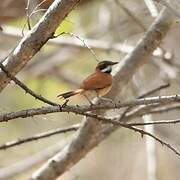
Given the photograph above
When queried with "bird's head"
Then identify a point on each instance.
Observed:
(105, 66)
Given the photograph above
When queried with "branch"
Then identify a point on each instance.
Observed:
(145, 95)
(53, 161)
(168, 6)
(152, 8)
(164, 86)
(36, 38)
(83, 109)
(25, 88)
(86, 138)
(28, 12)
(31, 161)
(142, 132)
(37, 7)
(160, 122)
(165, 109)
(130, 14)
(72, 42)
(152, 109)
(75, 127)
(116, 122)
(81, 40)
(39, 136)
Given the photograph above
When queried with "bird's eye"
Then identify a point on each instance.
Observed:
(103, 66)
(106, 69)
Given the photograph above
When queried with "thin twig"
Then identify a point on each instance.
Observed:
(129, 126)
(31, 161)
(131, 15)
(28, 14)
(160, 122)
(39, 5)
(165, 109)
(150, 92)
(82, 40)
(143, 110)
(25, 88)
(37, 11)
(39, 136)
(27, 22)
(142, 132)
(168, 6)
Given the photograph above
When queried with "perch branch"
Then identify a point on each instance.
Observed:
(83, 109)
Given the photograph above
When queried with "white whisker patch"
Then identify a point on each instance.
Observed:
(108, 69)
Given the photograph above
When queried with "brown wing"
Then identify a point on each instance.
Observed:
(97, 80)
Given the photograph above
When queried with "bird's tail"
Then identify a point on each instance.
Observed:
(70, 93)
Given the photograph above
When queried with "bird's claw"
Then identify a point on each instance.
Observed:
(65, 103)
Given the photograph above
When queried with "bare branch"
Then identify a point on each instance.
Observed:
(39, 136)
(165, 109)
(142, 132)
(156, 89)
(130, 14)
(82, 40)
(152, 8)
(169, 6)
(38, 6)
(25, 88)
(145, 95)
(21, 166)
(53, 162)
(83, 109)
(160, 122)
(37, 11)
(152, 109)
(75, 127)
(28, 12)
(72, 42)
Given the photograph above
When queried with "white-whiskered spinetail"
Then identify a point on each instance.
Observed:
(96, 84)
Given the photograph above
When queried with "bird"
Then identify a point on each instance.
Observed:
(97, 84)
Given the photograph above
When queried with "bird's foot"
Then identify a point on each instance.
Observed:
(106, 100)
(91, 104)
(65, 103)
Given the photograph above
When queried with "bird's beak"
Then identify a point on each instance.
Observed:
(113, 63)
